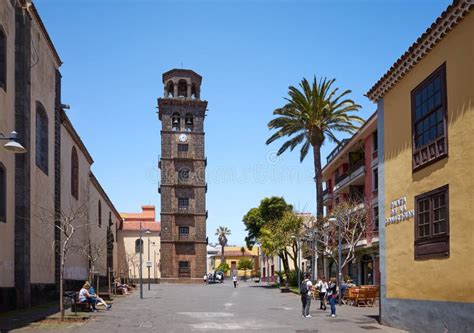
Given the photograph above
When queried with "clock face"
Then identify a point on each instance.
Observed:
(183, 138)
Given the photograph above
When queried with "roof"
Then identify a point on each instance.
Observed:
(147, 214)
(177, 72)
(446, 22)
(236, 254)
(135, 226)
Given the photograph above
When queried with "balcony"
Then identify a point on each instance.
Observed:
(353, 176)
(327, 197)
(185, 210)
(337, 150)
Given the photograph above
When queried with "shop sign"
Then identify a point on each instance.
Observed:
(399, 212)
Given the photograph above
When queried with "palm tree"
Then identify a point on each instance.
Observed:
(313, 113)
(222, 233)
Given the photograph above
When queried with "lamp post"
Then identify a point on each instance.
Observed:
(148, 264)
(140, 270)
(339, 260)
(12, 145)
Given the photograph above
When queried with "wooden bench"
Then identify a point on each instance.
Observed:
(363, 296)
(77, 305)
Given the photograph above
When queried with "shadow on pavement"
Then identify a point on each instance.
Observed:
(21, 318)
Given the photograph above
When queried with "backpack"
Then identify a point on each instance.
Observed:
(304, 288)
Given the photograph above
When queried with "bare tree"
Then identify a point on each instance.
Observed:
(351, 216)
(67, 223)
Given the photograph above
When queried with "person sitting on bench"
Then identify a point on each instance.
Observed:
(84, 297)
(98, 300)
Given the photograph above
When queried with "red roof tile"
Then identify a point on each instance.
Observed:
(135, 226)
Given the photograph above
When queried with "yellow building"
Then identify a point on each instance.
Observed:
(232, 256)
(426, 171)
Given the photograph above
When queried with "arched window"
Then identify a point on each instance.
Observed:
(3, 194)
(182, 88)
(194, 92)
(99, 213)
(3, 59)
(169, 89)
(74, 173)
(139, 245)
(41, 138)
(188, 123)
(176, 122)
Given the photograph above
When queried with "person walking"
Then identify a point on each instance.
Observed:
(322, 287)
(332, 296)
(234, 278)
(305, 291)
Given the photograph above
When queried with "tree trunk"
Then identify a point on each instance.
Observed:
(222, 254)
(61, 286)
(284, 260)
(319, 180)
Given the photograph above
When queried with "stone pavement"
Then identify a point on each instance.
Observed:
(212, 308)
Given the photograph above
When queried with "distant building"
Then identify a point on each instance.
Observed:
(130, 246)
(426, 170)
(232, 256)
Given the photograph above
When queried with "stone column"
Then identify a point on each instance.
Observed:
(188, 95)
(175, 86)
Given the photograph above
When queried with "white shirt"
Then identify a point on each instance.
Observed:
(323, 286)
(309, 285)
(234, 278)
(83, 295)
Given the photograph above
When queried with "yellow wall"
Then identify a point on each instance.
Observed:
(240, 272)
(450, 279)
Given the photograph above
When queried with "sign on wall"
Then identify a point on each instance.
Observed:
(399, 212)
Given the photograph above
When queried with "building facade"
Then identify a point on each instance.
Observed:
(426, 157)
(183, 186)
(52, 178)
(232, 256)
(351, 173)
(130, 246)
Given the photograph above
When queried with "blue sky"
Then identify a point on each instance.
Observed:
(248, 52)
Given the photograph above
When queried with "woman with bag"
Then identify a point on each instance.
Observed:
(322, 287)
(332, 296)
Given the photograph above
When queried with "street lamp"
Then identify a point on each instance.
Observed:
(339, 253)
(148, 263)
(141, 262)
(12, 145)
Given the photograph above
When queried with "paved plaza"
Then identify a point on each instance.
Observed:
(212, 308)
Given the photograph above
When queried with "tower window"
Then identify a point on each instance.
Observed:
(3, 59)
(169, 89)
(74, 174)
(183, 148)
(41, 138)
(176, 122)
(182, 88)
(183, 232)
(188, 123)
(183, 203)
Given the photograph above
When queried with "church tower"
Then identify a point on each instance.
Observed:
(183, 185)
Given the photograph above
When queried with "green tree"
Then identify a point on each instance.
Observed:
(224, 267)
(312, 114)
(222, 233)
(245, 264)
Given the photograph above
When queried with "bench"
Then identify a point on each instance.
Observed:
(363, 296)
(76, 305)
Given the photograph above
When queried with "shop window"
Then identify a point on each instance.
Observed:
(74, 173)
(429, 119)
(432, 224)
(41, 138)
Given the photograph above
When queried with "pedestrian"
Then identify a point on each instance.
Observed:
(332, 296)
(306, 287)
(84, 296)
(322, 287)
(205, 278)
(234, 278)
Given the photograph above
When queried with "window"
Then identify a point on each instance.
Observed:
(183, 232)
(375, 218)
(375, 145)
(3, 194)
(176, 122)
(74, 173)
(429, 113)
(3, 59)
(183, 203)
(139, 246)
(182, 148)
(375, 179)
(432, 224)
(182, 88)
(41, 138)
(188, 123)
(184, 270)
(99, 213)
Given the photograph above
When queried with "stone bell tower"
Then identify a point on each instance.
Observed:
(183, 185)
